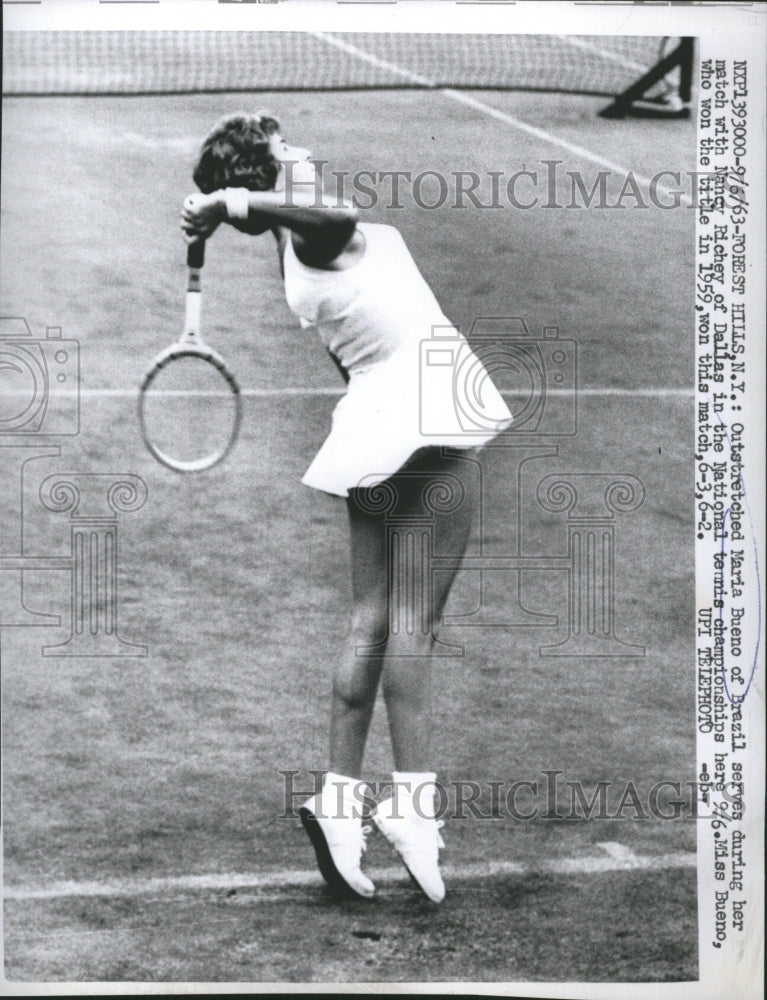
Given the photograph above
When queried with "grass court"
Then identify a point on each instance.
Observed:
(158, 778)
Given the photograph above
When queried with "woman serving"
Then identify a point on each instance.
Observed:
(357, 286)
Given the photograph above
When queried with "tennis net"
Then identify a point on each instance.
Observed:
(168, 62)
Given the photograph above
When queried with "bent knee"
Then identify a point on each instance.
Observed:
(370, 622)
(355, 689)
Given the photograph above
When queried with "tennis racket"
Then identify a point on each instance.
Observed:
(189, 403)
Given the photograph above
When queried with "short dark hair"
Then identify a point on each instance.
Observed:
(236, 153)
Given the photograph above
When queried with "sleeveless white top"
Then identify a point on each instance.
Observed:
(366, 312)
(406, 390)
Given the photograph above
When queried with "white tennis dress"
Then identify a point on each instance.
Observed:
(413, 380)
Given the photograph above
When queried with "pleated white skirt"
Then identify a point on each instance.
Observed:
(427, 393)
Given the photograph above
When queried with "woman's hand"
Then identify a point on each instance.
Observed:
(201, 215)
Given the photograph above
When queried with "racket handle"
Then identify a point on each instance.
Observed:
(195, 254)
(195, 258)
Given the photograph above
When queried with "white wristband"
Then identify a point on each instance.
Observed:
(236, 200)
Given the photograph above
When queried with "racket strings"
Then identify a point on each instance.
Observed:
(190, 409)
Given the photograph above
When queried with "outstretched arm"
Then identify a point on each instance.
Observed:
(321, 232)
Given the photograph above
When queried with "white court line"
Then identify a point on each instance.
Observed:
(301, 391)
(501, 116)
(615, 861)
(620, 852)
(352, 50)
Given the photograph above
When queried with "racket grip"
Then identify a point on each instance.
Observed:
(195, 254)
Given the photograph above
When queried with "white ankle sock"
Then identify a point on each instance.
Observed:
(415, 793)
(343, 796)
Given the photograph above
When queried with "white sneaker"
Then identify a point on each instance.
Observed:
(417, 841)
(338, 843)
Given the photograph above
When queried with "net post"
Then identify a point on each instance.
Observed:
(624, 104)
(686, 58)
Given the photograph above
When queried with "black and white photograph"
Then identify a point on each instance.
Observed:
(382, 522)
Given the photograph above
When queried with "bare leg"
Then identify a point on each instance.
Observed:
(381, 597)
(356, 678)
(409, 664)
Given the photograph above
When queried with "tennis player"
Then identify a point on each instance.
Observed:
(356, 285)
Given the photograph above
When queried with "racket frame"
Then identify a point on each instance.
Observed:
(191, 345)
